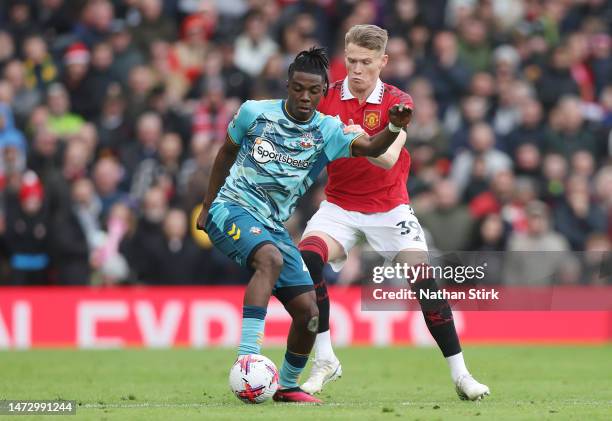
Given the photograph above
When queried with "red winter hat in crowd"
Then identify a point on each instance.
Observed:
(31, 187)
(77, 53)
(198, 21)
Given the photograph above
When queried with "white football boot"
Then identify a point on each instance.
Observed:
(322, 372)
(469, 389)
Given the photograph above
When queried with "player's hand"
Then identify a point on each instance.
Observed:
(351, 127)
(201, 222)
(400, 115)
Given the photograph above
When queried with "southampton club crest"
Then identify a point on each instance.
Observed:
(371, 119)
(307, 140)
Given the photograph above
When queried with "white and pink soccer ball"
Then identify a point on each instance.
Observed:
(253, 378)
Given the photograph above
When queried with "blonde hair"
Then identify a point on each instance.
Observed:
(371, 37)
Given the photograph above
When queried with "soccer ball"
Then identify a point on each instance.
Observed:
(253, 378)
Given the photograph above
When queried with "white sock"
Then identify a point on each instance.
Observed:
(323, 346)
(456, 365)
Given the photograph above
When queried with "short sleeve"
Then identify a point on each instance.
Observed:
(241, 122)
(337, 143)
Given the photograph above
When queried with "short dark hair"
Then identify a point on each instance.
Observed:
(314, 61)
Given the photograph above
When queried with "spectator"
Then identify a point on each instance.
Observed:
(400, 68)
(140, 84)
(112, 125)
(195, 171)
(220, 65)
(598, 260)
(7, 48)
(176, 258)
(62, 122)
(109, 256)
(270, 83)
(39, 66)
(554, 172)
(253, 47)
(9, 134)
(126, 55)
(25, 99)
(81, 86)
(427, 140)
(148, 231)
(482, 142)
(473, 111)
(56, 17)
(140, 158)
(448, 74)
(213, 113)
(577, 216)
(100, 73)
(96, 19)
(153, 25)
(188, 56)
(601, 60)
(572, 134)
(491, 237)
(75, 232)
(106, 178)
(46, 153)
(530, 127)
(27, 231)
(536, 256)
(450, 223)
(473, 46)
(20, 21)
(510, 99)
(556, 80)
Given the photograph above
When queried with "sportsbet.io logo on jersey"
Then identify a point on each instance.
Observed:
(264, 152)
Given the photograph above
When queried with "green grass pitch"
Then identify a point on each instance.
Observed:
(527, 382)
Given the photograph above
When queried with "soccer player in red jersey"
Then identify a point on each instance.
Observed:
(368, 197)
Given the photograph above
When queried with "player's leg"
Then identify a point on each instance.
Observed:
(439, 320)
(317, 248)
(295, 290)
(305, 319)
(266, 263)
(245, 240)
(329, 235)
(400, 230)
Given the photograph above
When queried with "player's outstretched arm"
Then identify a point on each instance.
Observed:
(399, 116)
(390, 157)
(221, 168)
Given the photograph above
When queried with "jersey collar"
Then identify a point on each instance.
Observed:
(293, 119)
(375, 97)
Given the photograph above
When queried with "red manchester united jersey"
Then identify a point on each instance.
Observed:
(355, 184)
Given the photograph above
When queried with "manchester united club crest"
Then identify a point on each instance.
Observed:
(371, 119)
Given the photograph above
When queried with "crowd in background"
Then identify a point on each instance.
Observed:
(112, 111)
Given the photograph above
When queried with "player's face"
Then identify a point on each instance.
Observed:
(304, 93)
(363, 66)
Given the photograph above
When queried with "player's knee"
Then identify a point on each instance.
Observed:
(314, 250)
(313, 324)
(268, 259)
(307, 314)
(311, 318)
